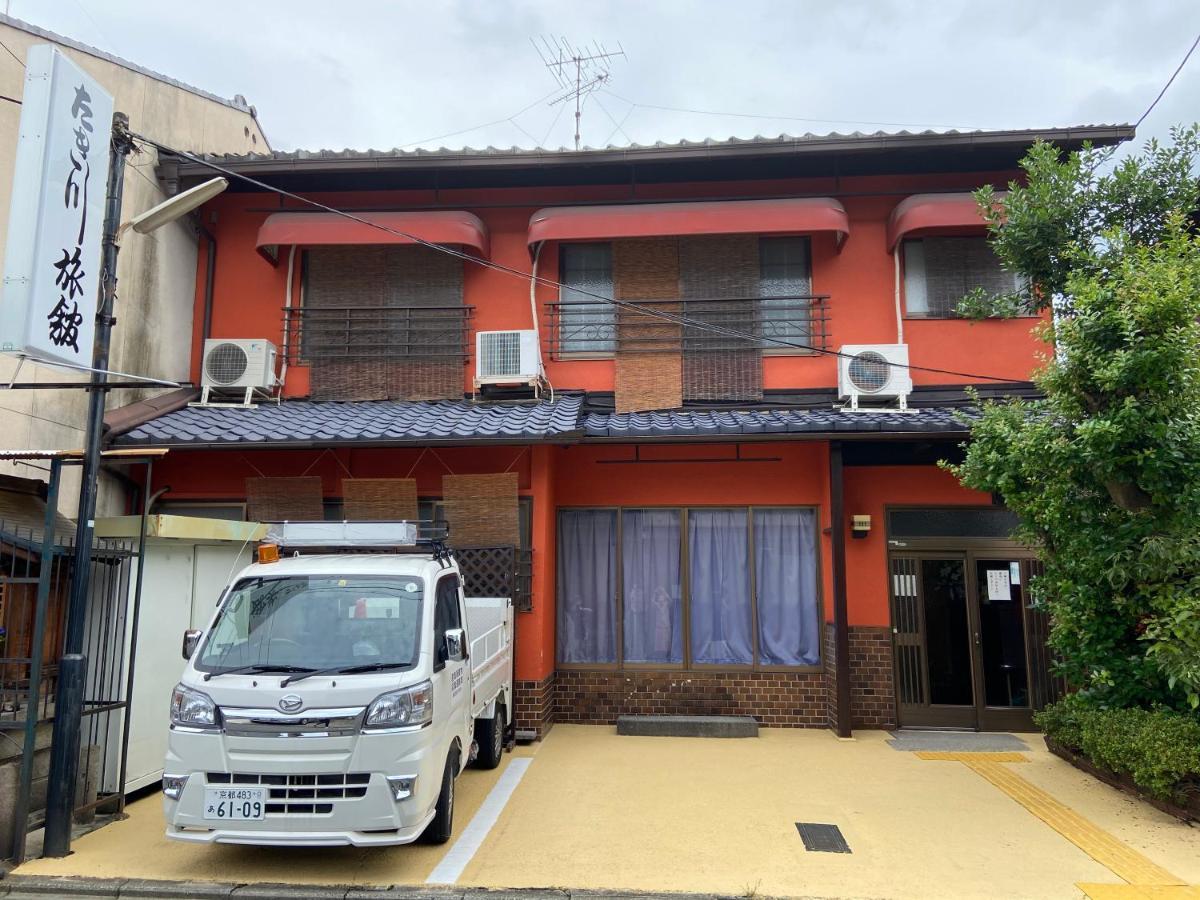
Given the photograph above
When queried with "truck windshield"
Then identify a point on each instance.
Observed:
(298, 623)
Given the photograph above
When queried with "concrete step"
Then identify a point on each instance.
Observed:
(689, 726)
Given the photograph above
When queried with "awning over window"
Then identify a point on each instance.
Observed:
(451, 227)
(593, 223)
(925, 212)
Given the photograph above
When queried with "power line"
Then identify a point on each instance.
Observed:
(1170, 81)
(549, 282)
(438, 137)
(743, 115)
(13, 55)
(615, 122)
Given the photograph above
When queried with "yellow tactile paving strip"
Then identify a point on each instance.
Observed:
(1140, 891)
(1146, 879)
(957, 756)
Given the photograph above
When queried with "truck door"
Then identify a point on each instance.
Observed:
(455, 683)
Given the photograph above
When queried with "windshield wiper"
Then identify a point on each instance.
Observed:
(255, 667)
(344, 670)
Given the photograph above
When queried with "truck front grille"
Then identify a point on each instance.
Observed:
(300, 794)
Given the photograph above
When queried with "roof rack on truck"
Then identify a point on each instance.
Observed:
(422, 536)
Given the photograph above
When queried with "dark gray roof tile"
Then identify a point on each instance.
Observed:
(304, 421)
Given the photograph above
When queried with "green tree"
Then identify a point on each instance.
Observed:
(1104, 473)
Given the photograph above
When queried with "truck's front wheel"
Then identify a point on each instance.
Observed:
(442, 825)
(489, 735)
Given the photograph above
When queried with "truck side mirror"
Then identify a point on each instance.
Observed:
(191, 638)
(456, 645)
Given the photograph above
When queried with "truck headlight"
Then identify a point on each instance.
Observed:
(403, 708)
(192, 709)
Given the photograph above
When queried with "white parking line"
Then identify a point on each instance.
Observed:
(461, 852)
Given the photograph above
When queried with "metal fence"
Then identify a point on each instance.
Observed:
(37, 572)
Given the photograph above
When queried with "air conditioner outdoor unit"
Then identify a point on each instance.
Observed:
(874, 372)
(506, 357)
(239, 367)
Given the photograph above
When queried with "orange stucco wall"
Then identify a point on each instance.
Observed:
(870, 490)
(795, 474)
(249, 293)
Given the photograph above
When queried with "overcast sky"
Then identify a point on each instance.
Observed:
(388, 73)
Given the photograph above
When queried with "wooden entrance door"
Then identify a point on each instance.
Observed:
(960, 639)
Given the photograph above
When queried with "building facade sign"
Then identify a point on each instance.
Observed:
(52, 259)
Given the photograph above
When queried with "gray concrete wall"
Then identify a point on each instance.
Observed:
(156, 272)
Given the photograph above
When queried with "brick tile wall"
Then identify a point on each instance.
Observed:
(534, 702)
(779, 699)
(872, 692)
(829, 655)
(775, 699)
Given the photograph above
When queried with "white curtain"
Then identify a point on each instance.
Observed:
(587, 586)
(785, 575)
(651, 599)
(719, 570)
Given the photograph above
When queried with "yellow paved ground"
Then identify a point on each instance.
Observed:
(137, 848)
(596, 810)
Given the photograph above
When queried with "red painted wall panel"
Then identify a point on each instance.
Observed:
(249, 292)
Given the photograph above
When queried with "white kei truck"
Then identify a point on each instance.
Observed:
(337, 694)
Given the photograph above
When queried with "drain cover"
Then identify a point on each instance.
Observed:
(822, 838)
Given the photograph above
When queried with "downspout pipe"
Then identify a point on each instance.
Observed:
(210, 272)
(841, 615)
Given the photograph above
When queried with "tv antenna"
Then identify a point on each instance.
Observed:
(579, 70)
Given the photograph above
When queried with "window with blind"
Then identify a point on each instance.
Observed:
(383, 301)
(785, 283)
(940, 271)
(688, 588)
(774, 270)
(586, 325)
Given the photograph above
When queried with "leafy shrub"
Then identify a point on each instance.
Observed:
(1159, 749)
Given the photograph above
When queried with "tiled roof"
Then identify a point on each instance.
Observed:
(699, 424)
(1101, 133)
(382, 422)
(305, 422)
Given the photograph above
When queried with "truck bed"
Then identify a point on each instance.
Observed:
(490, 627)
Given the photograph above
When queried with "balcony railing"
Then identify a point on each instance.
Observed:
(784, 324)
(347, 333)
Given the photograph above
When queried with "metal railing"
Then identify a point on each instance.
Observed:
(377, 333)
(595, 327)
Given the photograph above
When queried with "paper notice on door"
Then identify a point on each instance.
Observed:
(998, 585)
(1014, 572)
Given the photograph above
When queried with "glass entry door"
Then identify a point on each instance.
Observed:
(932, 632)
(958, 626)
(1002, 664)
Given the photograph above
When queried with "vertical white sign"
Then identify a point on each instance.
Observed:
(998, 585)
(52, 259)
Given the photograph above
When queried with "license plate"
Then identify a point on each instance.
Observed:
(235, 803)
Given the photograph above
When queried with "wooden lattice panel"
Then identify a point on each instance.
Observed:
(487, 571)
(482, 509)
(297, 499)
(379, 499)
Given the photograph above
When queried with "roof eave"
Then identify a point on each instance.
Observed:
(264, 165)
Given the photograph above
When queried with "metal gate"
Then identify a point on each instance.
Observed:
(35, 579)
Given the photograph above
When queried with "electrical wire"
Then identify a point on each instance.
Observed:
(549, 282)
(612, 119)
(1170, 81)
(743, 115)
(13, 55)
(519, 112)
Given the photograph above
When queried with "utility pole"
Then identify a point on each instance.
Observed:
(68, 701)
(591, 71)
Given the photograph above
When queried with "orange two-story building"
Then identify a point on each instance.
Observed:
(686, 402)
